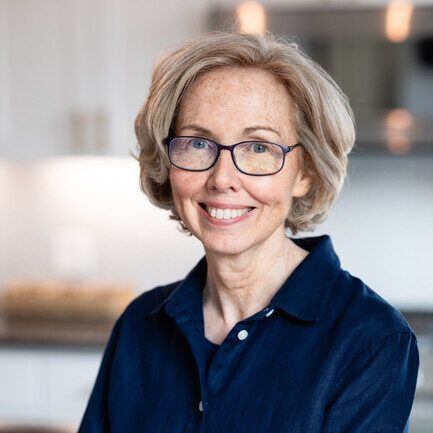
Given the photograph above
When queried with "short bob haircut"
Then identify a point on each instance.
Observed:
(323, 119)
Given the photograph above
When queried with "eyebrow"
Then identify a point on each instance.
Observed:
(248, 130)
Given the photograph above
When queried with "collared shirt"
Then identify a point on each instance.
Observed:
(327, 354)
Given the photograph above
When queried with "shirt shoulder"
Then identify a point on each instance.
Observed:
(363, 316)
(148, 301)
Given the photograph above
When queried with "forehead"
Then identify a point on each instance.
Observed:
(237, 94)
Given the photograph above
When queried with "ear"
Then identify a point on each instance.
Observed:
(302, 185)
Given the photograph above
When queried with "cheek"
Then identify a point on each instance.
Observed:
(273, 192)
(183, 186)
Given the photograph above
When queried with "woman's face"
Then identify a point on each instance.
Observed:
(226, 102)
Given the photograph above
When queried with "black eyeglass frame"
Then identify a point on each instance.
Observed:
(286, 149)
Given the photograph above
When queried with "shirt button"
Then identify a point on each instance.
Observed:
(269, 312)
(242, 334)
(200, 406)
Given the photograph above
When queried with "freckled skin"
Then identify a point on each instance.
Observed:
(226, 101)
(242, 255)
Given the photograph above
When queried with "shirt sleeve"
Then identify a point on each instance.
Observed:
(377, 390)
(95, 418)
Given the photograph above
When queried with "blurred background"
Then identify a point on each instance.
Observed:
(78, 240)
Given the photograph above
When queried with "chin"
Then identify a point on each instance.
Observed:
(225, 245)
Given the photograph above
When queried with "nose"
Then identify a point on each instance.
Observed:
(224, 174)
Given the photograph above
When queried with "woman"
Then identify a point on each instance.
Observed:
(241, 137)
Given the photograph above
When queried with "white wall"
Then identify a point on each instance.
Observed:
(381, 225)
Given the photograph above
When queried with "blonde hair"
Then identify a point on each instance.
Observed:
(323, 118)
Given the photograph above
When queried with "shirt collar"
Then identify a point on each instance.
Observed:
(303, 295)
(306, 291)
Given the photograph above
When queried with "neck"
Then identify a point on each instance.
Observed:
(238, 286)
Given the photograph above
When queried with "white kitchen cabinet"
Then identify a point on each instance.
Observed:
(70, 381)
(15, 371)
(74, 73)
(46, 386)
(54, 75)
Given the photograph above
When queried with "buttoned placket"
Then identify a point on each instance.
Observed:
(227, 351)
(191, 324)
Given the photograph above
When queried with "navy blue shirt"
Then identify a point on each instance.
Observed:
(327, 354)
(210, 349)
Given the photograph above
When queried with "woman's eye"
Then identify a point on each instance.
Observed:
(199, 144)
(260, 147)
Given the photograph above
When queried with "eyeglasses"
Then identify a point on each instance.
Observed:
(255, 158)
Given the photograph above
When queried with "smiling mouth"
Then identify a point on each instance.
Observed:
(225, 214)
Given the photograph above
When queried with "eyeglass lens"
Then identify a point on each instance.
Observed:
(251, 157)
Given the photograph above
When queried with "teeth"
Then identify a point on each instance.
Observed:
(226, 214)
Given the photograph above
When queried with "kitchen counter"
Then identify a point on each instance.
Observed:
(85, 335)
